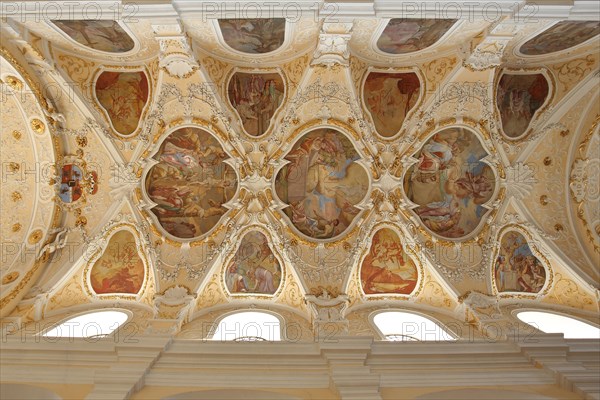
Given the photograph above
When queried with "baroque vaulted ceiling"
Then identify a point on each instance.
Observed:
(181, 162)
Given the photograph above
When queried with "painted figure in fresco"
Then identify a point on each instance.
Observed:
(190, 183)
(561, 36)
(120, 268)
(518, 98)
(387, 268)
(389, 98)
(256, 97)
(254, 36)
(103, 35)
(517, 269)
(402, 36)
(123, 95)
(254, 268)
(322, 183)
(449, 183)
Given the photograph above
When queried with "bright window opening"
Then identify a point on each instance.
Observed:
(554, 323)
(92, 325)
(404, 326)
(249, 326)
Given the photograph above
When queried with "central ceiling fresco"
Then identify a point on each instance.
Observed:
(322, 184)
(190, 183)
(317, 168)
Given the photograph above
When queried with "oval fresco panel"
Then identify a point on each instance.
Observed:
(518, 98)
(322, 184)
(450, 183)
(103, 35)
(389, 98)
(254, 268)
(190, 183)
(120, 268)
(253, 35)
(516, 268)
(387, 269)
(123, 95)
(402, 36)
(561, 36)
(255, 97)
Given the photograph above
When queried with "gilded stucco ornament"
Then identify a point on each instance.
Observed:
(584, 186)
(325, 93)
(520, 179)
(176, 57)
(332, 47)
(10, 277)
(14, 82)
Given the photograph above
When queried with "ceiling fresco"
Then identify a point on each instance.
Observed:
(402, 36)
(253, 268)
(254, 36)
(106, 35)
(256, 98)
(517, 269)
(389, 98)
(123, 95)
(518, 98)
(560, 36)
(322, 184)
(450, 183)
(190, 183)
(318, 168)
(388, 268)
(120, 269)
